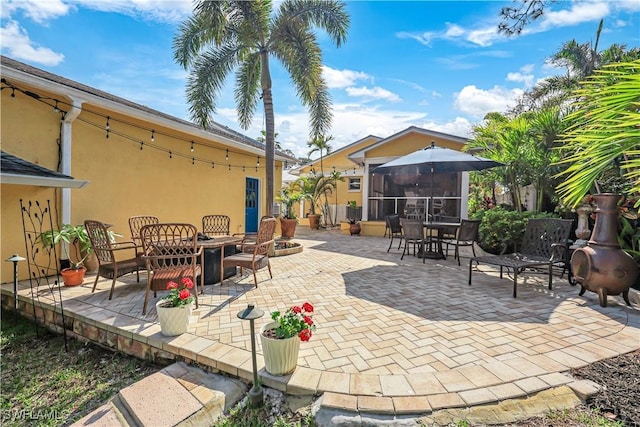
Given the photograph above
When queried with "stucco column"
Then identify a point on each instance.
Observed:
(364, 182)
(65, 162)
(464, 194)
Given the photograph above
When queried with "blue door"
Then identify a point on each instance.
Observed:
(251, 206)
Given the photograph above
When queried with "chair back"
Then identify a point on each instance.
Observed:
(542, 233)
(468, 231)
(137, 222)
(100, 241)
(170, 244)
(393, 222)
(412, 229)
(265, 234)
(216, 225)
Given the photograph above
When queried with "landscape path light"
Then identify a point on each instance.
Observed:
(251, 313)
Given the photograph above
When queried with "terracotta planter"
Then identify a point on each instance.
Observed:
(314, 221)
(280, 356)
(173, 320)
(288, 227)
(354, 229)
(73, 277)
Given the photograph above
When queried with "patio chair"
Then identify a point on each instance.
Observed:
(395, 229)
(413, 233)
(466, 235)
(170, 253)
(106, 248)
(544, 244)
(249, 239)
(258, 257)
(136, 223)
(216, 225)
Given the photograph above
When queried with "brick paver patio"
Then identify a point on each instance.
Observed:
(392, 336)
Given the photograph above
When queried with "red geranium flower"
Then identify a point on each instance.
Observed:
(305, 335)
(296, 309)
(308, 320)
(296, 321)
(307, 307)
(184, 294)
(172, 285)
(187, 282)
(179, 294)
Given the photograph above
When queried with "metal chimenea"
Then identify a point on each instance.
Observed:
(602, 266)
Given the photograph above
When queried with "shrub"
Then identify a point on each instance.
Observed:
(501, 231)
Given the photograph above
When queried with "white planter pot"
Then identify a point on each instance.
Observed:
(173, 320)
(280, 356)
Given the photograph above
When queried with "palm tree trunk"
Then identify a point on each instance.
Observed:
(267, 100)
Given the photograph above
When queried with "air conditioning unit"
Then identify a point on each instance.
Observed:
(276, 209)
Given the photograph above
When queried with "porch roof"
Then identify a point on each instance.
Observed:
(14, 170)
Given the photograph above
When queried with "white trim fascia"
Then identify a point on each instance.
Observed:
(39, 181)
(69, 92)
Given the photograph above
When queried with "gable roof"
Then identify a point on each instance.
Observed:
(15, 170)
(360, 155)
(222, 132)
(297, 169)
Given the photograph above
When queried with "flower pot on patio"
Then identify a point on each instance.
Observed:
(314, 221)
(173, 320)
(288, 227)
(280, 355)
(354, 229)
(73, 277)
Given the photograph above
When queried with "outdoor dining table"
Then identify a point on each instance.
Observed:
(440, 228)
(213, 250)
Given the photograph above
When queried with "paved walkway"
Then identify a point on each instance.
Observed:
(393, 336)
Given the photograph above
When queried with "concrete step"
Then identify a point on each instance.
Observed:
(178, 395)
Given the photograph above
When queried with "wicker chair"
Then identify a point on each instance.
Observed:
(395, 229)
(106, 249)
(170, 253)
(466, 235)
(216, 225)
(258, 257)
(544, 244)
(136, 223)
(249, 239)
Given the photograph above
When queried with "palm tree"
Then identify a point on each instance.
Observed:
(320, 143)
(241, 36)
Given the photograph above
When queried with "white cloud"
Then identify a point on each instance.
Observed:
(342, 78)
(424, 38)
(478, 102)
(37, 10)
(523, 76)
(627, 5)
(374, 93)
(16, 42)
(453, 30)
(460, 126)
(436, 94)
(580, 12)
(484, 36)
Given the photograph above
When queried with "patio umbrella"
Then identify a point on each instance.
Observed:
(432, 160)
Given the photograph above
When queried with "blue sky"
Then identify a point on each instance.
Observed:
(437, 65)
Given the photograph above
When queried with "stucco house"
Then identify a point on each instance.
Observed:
(381, 195)
(116, 159)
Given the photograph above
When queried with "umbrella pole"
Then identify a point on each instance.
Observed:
(430, 219)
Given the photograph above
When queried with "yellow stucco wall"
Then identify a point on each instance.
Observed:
(409, 143)
(124, 180)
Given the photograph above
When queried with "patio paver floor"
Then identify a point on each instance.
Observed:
(386, 327)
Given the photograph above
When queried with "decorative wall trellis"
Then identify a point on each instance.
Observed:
(44, 271)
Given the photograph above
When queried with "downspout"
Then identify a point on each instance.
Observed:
(65, 157)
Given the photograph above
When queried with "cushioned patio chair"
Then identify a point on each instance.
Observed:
(395, 229)
(466, 235)
(255, 255)
(216, 225)
(170, 253)
(544, 244)
(106, 250)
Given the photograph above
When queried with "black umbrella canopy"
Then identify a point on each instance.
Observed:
(435, 160)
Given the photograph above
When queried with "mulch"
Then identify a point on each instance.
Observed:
(619, 377)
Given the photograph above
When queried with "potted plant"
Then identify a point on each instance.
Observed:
(281, 338)
(71, 235)
(353, 217)
(289, 220)
(314, 188)
(175, 308)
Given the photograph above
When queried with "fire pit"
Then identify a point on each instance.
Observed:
(602, 266)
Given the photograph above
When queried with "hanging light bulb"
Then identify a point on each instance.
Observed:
(141, 144)
(258, 163)
(153, 135)
(213, 165)
(13, 92)
(229, 167)
(227, 156)
(243, 169)
(170, 155)
(193, 161)
(192, 146)
(55, 108)
(107, 127)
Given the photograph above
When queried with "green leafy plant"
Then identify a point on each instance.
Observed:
(179, 295)
(296, 321)
(288, 199)
(71, 235)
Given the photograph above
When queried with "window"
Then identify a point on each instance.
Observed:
(354, 184)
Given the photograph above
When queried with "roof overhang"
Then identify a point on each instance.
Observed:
(15, 170)
(39, 181)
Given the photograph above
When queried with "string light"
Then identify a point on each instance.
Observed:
(153, 135)
(170, 155)
(106, 128)
(13, 92)
(193, 161)
(229, 167)
(55, 109)
(258, 162)
(243, 169)
(141, 144)
(192, 146)
(227, 155)
(213, 165)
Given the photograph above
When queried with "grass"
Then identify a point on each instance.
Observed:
(44, 385)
